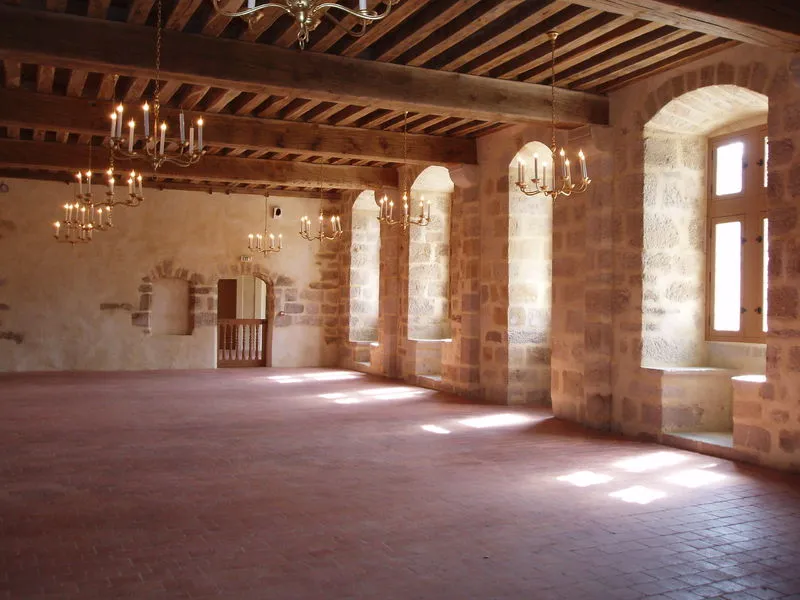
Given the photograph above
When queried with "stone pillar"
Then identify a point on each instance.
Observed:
(777, 441)
(461, 359)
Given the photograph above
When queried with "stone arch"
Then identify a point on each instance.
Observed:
(675, 209)
(365, 246)
(530, 235)
(429, 257)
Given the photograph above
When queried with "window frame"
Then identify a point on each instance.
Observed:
(750, 207)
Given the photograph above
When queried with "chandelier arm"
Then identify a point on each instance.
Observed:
(367, 15)
(248, 11)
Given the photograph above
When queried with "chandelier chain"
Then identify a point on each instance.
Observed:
(157, 82)
(553, 36)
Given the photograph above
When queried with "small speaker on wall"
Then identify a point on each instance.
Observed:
(276, 212)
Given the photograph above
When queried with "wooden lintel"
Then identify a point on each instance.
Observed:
(20, 108)
(769, 23)
(67, 41)
(16, 154)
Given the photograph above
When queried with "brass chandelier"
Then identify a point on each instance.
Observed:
(308, 14)
(406, 219)
(257, 242)
(154, 146)
(550, 183)
(322, 230)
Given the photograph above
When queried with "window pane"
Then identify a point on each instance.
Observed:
(766, 163)
(729, 169)
(765, 275)
(727, 276)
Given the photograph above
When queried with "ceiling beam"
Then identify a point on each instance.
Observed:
(68, 41)
(770, 23)
(16, 154)
(19, 108)
(175, 184)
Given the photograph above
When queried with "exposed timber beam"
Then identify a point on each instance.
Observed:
(19, 108)
(770, 23)
(67, 41)
(16, 154)
(175, 184)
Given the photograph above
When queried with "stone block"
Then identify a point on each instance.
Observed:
(293, 308)
(789, 441)
(752, 437)
(783, 302)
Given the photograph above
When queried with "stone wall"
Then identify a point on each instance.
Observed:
(772, 436)
(88, 307)
(365, 244)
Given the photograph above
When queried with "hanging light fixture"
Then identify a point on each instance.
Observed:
(322, 230)
(154, 146)
(307, 15)
(82, 215)
(257, 242)
(550, 183)
(386, 210)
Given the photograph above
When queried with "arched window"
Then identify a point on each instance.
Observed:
(530, 234)
(703, 240)
(429, 258)
(365, 250)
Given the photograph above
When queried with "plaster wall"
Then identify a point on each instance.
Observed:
(89, 307)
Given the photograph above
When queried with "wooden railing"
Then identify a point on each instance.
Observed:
(241, 342)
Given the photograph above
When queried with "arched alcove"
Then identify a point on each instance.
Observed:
(429, 257)
(676, 142)
(530, 233)
(365, 247)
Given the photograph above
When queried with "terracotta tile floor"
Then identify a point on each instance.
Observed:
(235, 484)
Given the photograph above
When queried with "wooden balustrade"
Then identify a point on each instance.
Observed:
(241, 342)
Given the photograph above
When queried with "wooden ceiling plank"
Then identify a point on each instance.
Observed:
(503, 34)
(13, 73)
(459, 29)
(275, 108)
(326, 115)
(168, 90)
(356, 116)
(15, 154)
(399, 13)
(569, 40)
(193, 97)
(585, 52)
(423, 24)
(56, 5)
(20, 108)
(637, 47)
(217, 22)
(251, 105)
(770, 23)
(564, 21)
(44, 79)
(98, 9)
(219, 99)
(687, 42)
(266, 20)
(105, 46)
(181, 13)
(136, 89)
(76, 83)
(139, 11)
(712, 47)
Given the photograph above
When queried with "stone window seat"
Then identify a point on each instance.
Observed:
(695, 399)
(424, 357)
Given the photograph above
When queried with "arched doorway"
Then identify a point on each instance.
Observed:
(242, 322)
